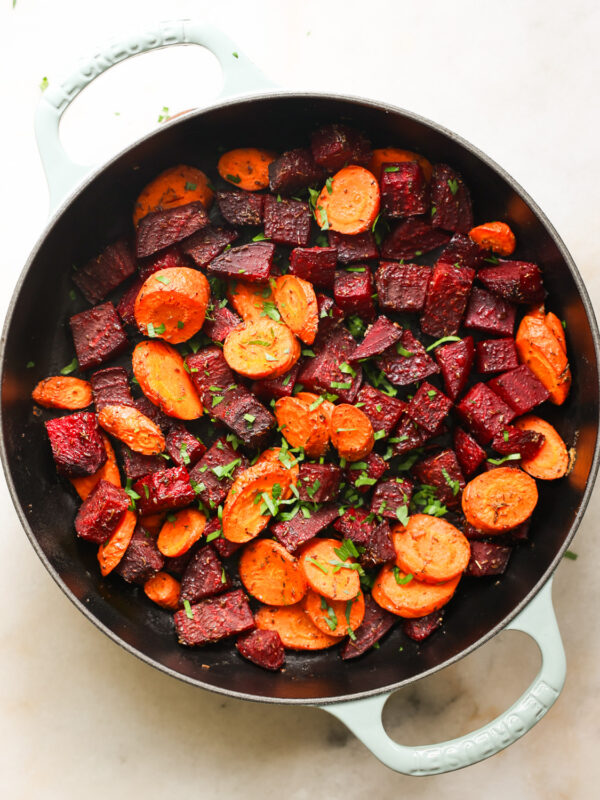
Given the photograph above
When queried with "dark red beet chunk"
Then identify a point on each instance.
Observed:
(211, 374)
(263, 648)
(422, 627)
(514, 440)
(222, 321)
(353, 247)
(353, 524)
(252, 261)
(185, 450)
(166, 259)
(446, 300)
(214, 619)
(496, 355)
(314, 264)
(391, 495)
(383, 411)
(515, 536)
(142, 559)
(335, 145)
(376, 623)
(208, 244)
(298, 530)
(105, 272)
(277, 387)
(287, 221)
(136, 465)
(223, 546)
(490, 314)
(203, 576)
(101, 512)
(323, 373)
(451, 200)
(365, 474)
(455, 360)
(327, 308)
(76, 443)
(403, 189)
(97, 335)
(294, 170)
(469, 454)
(110, 386)
(429, 407)
(164, 490)
(402, 287)
(485, 412)
(158, 417)
(487, 559)
(127, 303)
(401, 369)
(463, 252)
(160, 229)
(319, 483)
(516, 281)
(379, 336)
(443, 472)
(379, 549)
(520, 388)
(241, 208)
(176, 565)
(412, 237)
(409, 435)
(214, 474)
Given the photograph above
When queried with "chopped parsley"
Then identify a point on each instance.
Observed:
(260, 237)
(443, 340)
(163, 279)
(164, 114)
(392, 169)
(453, 185)
(571, 555)
(510, 457)
(452, 483)
(226, 470)
(71, 367)
(328, 183)
(233, 178)
(400, 579)
(190, 187)
(402, 514)
(155, 330)
(402, 351)
(188, 609)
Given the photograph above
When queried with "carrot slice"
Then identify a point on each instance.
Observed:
(132, 427)
(294, 627)
(162, 377)
(276, 455)
(62, 391)
(556, 326)
(384, 155)
(271, 574)
(552, 459)
(163, 589)
(335, 617)
(297, 303)
(251, 300)
(351, 432)
(431, 549)
(545, 355)
(180, 531)
(113, 549)
(325, 406)
(171, 304)
(324, 573)
(303, 424)
(499, 500)
(408, 597)
(494, 236)
(246, 167)
(109, 471)
(350, 202)
(174, 187)
(152, 523)
(261, 349)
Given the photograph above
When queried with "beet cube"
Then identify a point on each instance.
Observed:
(516, 281)
(208, 244)
(165, 259)
(400, 368)
(184, 449)
(490, 314)
(487, 559)
(446, 300)
(409, 435)
(391, 495)
(412, 237)
(76, 443)
(365, 474)
(335, 145)
(462, 252)
(469, 454)
(105, 272)
(402, 287)
(241, 208)
(514, 440)
(213, 619)
(203, 576)
(485, 412)
(125, 308)
(353, 524)
(110, 386)
(496, 355)
(287, 221)
(422, 627)
(160, 229)
(319, 483)
(382, 410)
(136, 465)
(323, 374)
(97, 335)
(376, 623)
(101, 512)
(223, 546)
(221, 322)
(277, 387)
(263, 648)
(294, 170)
(379, 549)
(429, 407)
(252, 261)
(142, 559)
(455, 360)
(328, 309)
(211, 375)
(520, 388)
(158, 417)
(300, 529)
(214, 474)
(403, 189)
(443, 472)
(164, 490)
(246, 416)
(379, 336)
(176, 565)
(353, 247)
(450, 200)
(314, 264)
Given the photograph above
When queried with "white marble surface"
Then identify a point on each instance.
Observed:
(82, 718)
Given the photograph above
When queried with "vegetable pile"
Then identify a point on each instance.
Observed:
(371, 437)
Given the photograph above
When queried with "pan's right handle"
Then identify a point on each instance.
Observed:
(63, 174)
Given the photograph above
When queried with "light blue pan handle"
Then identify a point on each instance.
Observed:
(363, 717)
(62, 174)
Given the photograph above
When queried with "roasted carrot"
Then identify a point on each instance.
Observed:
(499, 500)
(303, 423)
(385, 155)
(180, 531)
(349, 203)
(109, 471)
(545, 355)
(494, 236)
(276, 455)
(328, 573)
(271, 574)
(261, 349)
(113, 549)
(251, 300)
(171, 305)
(246, 167)
(163, 589)
(325, 406)
(556, 326)
(297, 304)
(132, 427)
(176, 186)
(431, 549)
(351, 432)
(408, 597)
(62, 391)
(152, 523)
(335, 617)
(552, 459)
(162, 377)
(294, 627)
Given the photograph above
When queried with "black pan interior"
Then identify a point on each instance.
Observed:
(36, 331)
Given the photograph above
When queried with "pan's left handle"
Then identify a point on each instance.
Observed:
(63, 174)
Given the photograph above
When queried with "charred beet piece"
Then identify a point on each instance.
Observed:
(391, 495)
(446, 300)
(184, 449)
(403, 189)
(314, 264)
(252, 261)
(487, 559)
(353, 524)
(223, 320)
(450, 200)
(516, 281)
(294, 170)
(402, 287)
(214, 619)
(277, 387)
(379, 336)
(223, 546)
(245, 416)
(462, 252)
(327, 308)
(319, 483)
(443, 472)
(97, 335)
(485, 412)
(429, 407)
(76, 443)
(490, 314)
(241, 208)
(469, 454)
(422, 627)
(203, 576)
(166, 259)
(176, 565)
(514, 440)
(160, 229)
(263, 648)
(164, 490)
(376, 623)
(406, 361)
(364, 474)
(496, 355)
(110, 386)
(105, 272)
(353, 247)
(208, 244)
(409, 435)
(383, 411)
(127, 303)
(158, 417)
(323, 373)
(101, 512)
(210, 373)
(520, 388)
(335, 145)
(136, 465)
(214, 474)
(142, 559)
(455, 360)
(379, 549)
(295, 532)
(287, 221)
(412, 237)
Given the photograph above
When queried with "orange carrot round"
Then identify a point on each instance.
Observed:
(431, 549)
(163, 589)
(555, 325)
(261, 349)
(499, 500)
(273, 456)
(249, 299)
(385, 155)
(324, 573)
(109, 471)
(180, 531)
(271, 574)
(174, 187)
(350, 202)
(303, 424)
(113, 549)
(246, 167)
(162, 377)
(297, 303)
(552, 459)
(408, 597)
(171, 304)
(325, 406)
(545, 355)
(152, 523)
(335, 617)
(63, 391)
(494, 236)
(294, 627)
(351, 432)
(132, 427)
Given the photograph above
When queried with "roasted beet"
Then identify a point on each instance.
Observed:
(443, 472)
(208, 244)
(203, 576)
(406, 361)
(328, 309)
(160, 229)
(429, 407)
(403, 189)
(422, 627)
(379, 336)
(412, 237)
(382, 410)
(142, 559)
(469, 454)
(516, 281)
(164, 490)
(277, 387)
(101, 512)
(490, 314)
(376, 623)
(170, 258)
(136, 465)
(446, 301)
(219, 323)
(97, 335)
(263, 648)
(214, 619)
(293, 170)
(520, 388)
(391, 495)
(353, 247)
(462, 251)
(354, 524)
(365, 474)
(77, 445)
(211, 374)
(487, 558)
(485, 412)
(251, 261)
(295, 532)
(241, 208)
(496, 355)
(110, 386)
(105, 272)
(125, 307)
(515, 440)
(409, 435)
(323, 373)
(379, 549)
(214, 474)
(185, 450)
(333, 146)
(287, 221)
(319, 483)
(450, 200)
(246, 416)
(402, 287)
(223, 546)
(455, 360)
(314, 264)
(158, 417)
